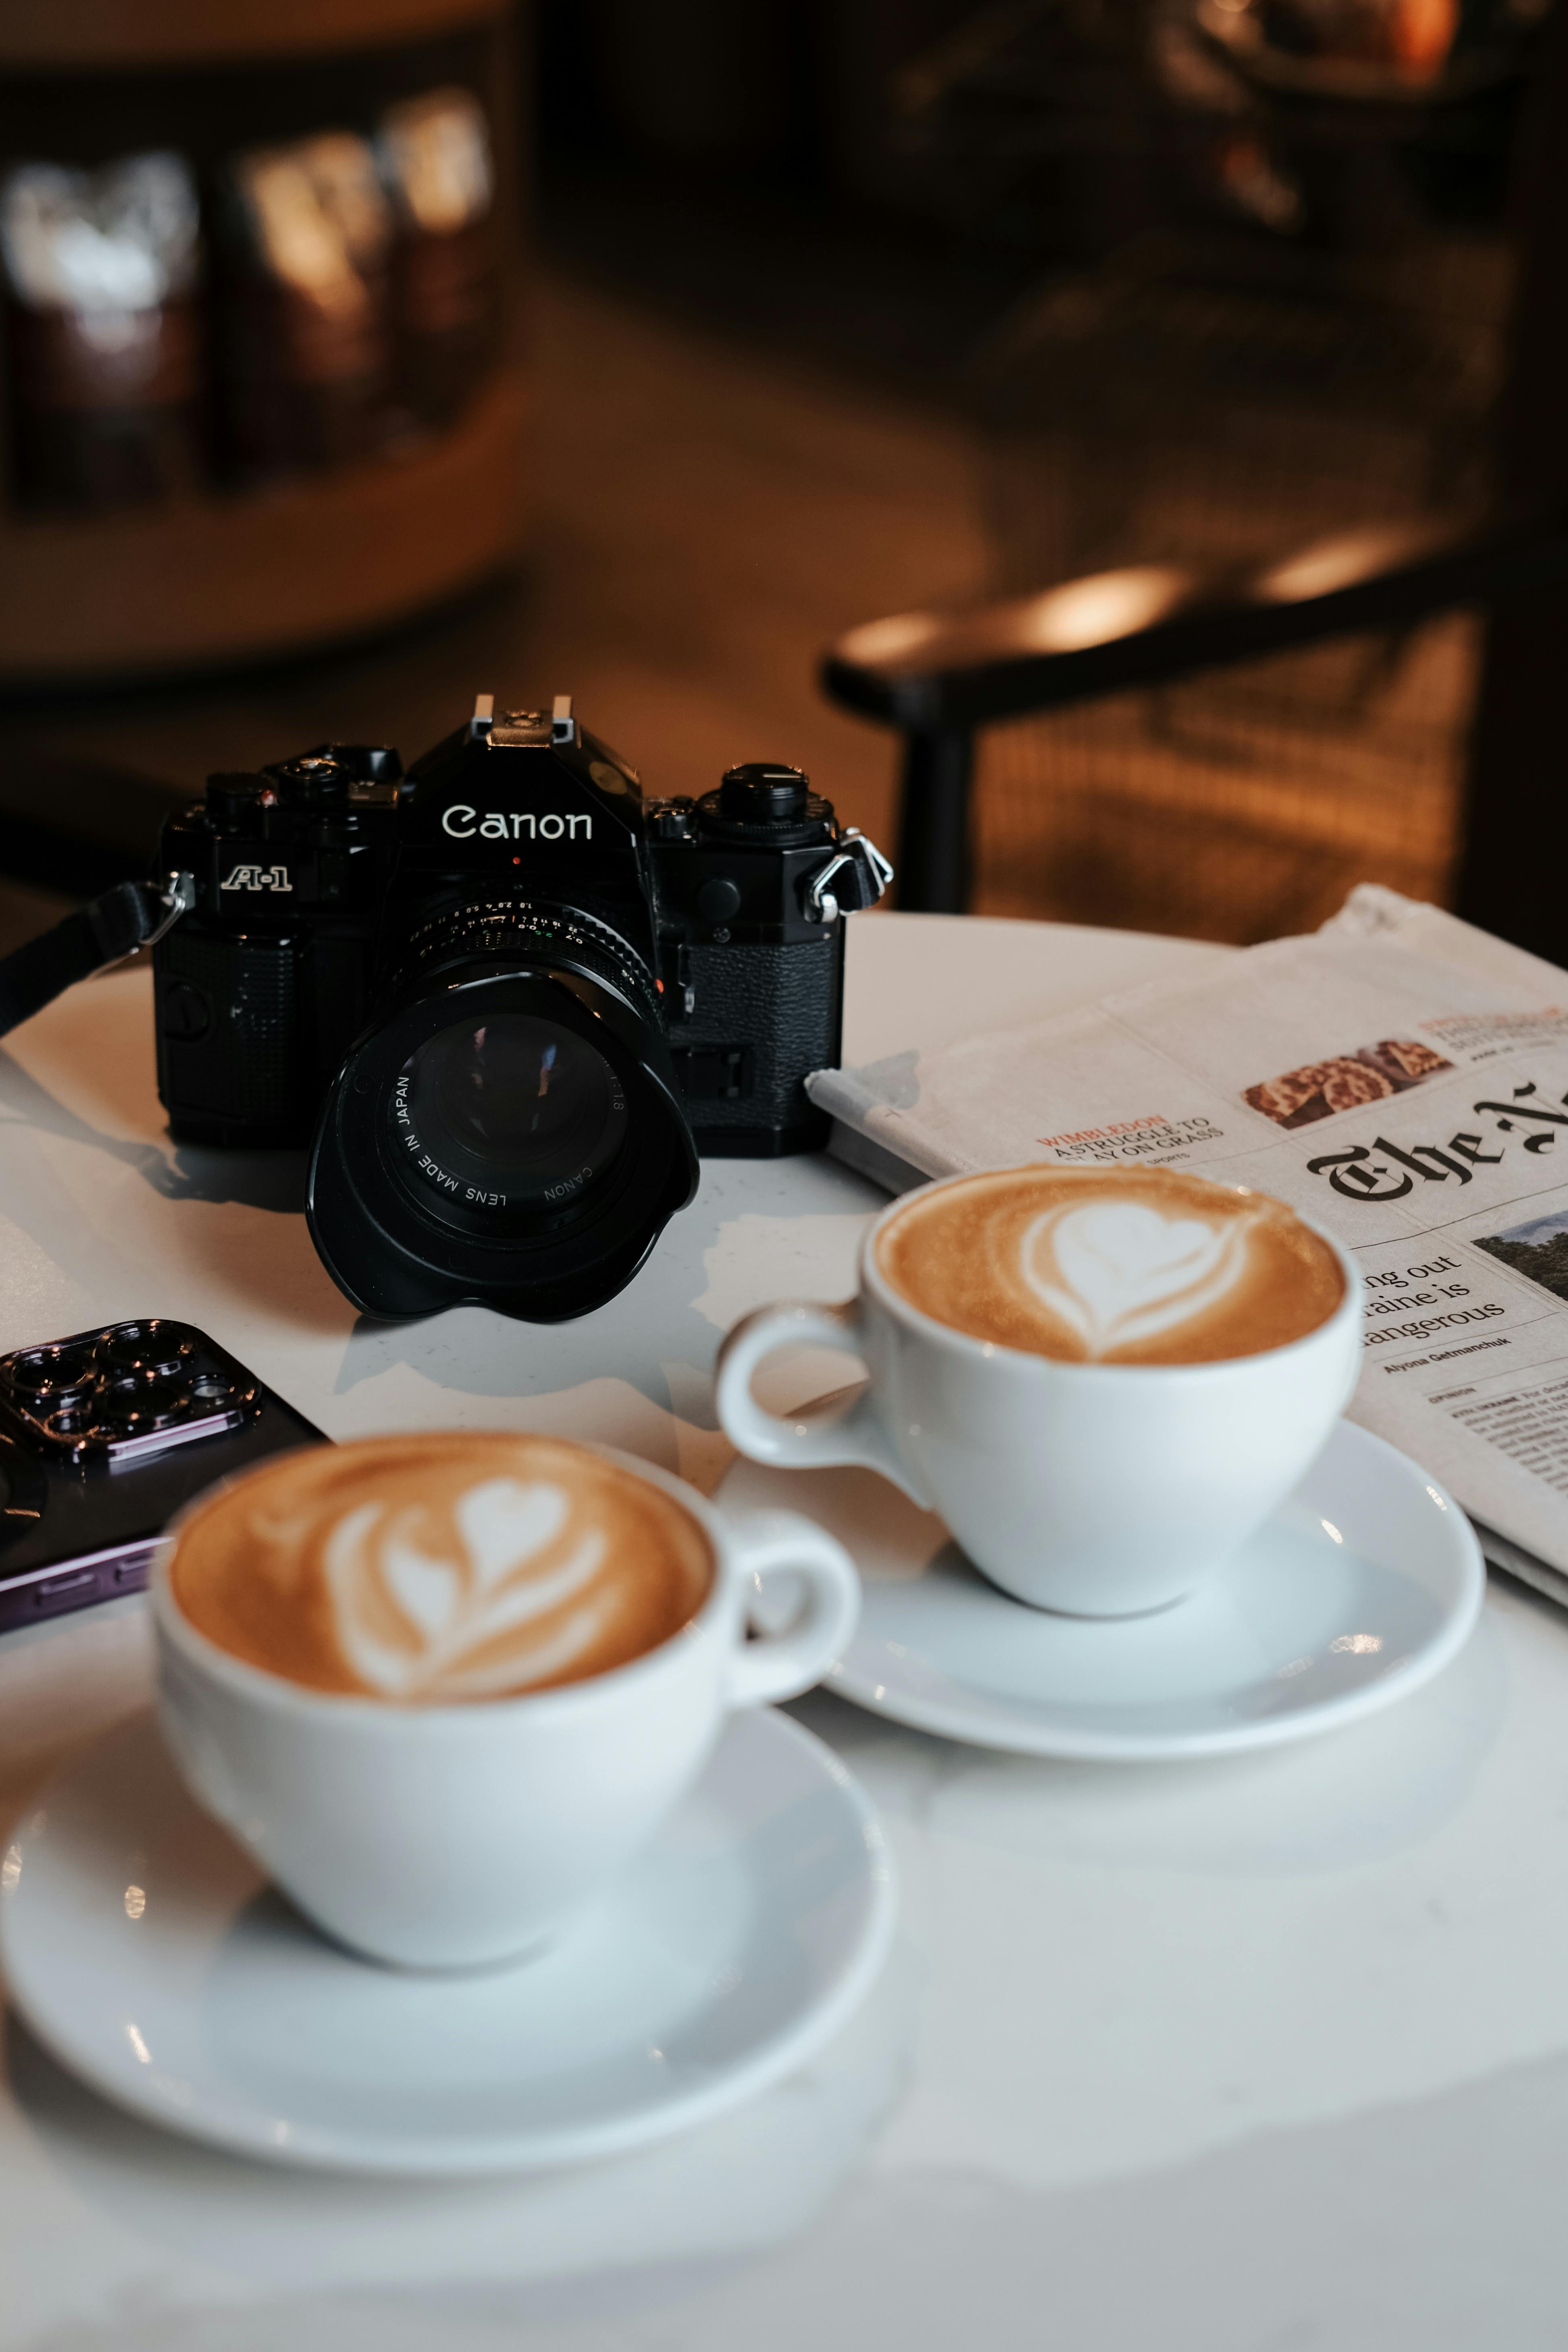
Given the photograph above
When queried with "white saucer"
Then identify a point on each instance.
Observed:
(1358, 1589)
(146, 1953)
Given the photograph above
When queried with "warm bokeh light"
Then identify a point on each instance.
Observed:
(1331, 564)
(1107, 604)
(889, 640)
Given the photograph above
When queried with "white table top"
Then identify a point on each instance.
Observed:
(1267, 2053)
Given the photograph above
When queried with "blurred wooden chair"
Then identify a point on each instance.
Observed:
(940, 680)
(1235, 481)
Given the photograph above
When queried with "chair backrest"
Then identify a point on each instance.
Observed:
(940, 678)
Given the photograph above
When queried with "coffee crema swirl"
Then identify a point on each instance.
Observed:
(1112, 1266)
(430, 1570)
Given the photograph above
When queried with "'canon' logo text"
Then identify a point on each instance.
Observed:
(463, 823)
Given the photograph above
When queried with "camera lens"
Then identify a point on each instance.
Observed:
(131, 1406)
(51, 1376)
(509, 1112)
(146, 1351)
(509, 1128)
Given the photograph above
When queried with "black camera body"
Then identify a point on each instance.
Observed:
(510, 999)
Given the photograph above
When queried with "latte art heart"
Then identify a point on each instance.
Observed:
(1134, 1266)
(429, 1571)
(408, 1622)
(1117, 1271)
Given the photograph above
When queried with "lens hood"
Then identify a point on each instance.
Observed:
(402, 1237)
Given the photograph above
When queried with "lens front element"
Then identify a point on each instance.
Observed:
(507, 1112)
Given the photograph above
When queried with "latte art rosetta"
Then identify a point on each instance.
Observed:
(1135, 1265)
(511, 1603)
(442, 1570)
(1117, 1271)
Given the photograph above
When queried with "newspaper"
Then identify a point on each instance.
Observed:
(1400, 1077)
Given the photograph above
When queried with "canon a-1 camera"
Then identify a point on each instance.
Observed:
(506, 999)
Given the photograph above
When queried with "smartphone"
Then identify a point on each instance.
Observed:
(103, 1437)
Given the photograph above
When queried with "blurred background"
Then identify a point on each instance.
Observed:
(358, 355)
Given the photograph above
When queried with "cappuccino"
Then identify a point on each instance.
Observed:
(1117, 1266)
(426, 1571)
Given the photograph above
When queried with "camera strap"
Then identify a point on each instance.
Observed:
(130, 916)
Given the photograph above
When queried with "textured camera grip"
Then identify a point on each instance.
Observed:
(782, 1004)
(232, 1064)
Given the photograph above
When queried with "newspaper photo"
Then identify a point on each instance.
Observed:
(1399, 1077)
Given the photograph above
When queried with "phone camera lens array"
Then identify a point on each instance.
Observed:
(132, 1381)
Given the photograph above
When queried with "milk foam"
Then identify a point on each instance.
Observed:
(482, 1618)
(1125, 1265)
(1119, 1271)
(440, 1570)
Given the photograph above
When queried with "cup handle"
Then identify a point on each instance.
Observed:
(857, 1436)
(782, 1664)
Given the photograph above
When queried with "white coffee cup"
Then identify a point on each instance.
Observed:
(461, 1836)
(1099, 1490)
